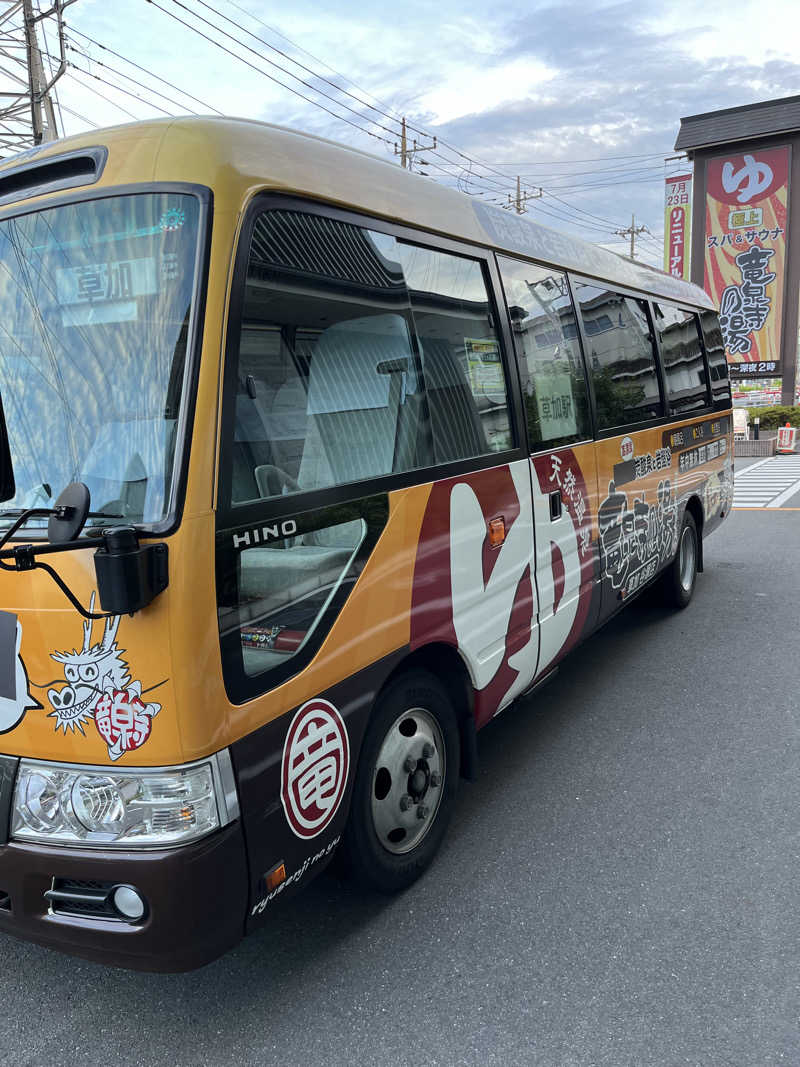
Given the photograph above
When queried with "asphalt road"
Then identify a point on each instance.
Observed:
(620, 887)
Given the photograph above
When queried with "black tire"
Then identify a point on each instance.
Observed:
(398, 765)
(681, 575)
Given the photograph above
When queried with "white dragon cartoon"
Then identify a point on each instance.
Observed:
(99, 687)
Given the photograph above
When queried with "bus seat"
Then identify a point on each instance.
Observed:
(288, 422)
(359, 372)
(456, 426)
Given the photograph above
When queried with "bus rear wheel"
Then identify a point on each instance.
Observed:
(405, 785)
(681, 575)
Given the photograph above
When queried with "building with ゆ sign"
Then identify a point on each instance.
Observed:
(745, 241)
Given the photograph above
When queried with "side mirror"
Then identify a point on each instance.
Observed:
(7, 484)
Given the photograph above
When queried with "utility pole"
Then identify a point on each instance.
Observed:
(407, 154)
(633, 232)
(519, 201)
(27, 99)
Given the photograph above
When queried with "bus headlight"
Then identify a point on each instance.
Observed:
(110, 808)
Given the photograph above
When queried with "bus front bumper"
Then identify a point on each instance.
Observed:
(195, 897)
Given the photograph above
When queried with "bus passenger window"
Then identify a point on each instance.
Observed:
(551, 368)
(461, 358)
(685, 377)
(717, 363)
(358, 356)
(620, 357)
(327, 384)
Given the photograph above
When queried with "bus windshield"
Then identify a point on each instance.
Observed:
(95, 303)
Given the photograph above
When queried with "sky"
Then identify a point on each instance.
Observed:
(582, 100)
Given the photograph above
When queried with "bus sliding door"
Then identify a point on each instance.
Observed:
(563, 472)
(637, 513)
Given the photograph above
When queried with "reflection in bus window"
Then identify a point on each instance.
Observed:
(682, 356)
(551, 368)
(359, 357)
(95, 302)
(283, 590)
(717, 362)
(461, 357)
(620, 356)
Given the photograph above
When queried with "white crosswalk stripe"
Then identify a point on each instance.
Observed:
(769, 483)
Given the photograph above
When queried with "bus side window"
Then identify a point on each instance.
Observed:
(685, 378)
(620, 356)
(717, 363)
(461, 359)
(328, 390)
(546, 340)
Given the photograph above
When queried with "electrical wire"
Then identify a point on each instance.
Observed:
(302, 96)
(119, 88)
(102, 96)
(272, 63)
(144, 70)
(442, 162)
(121, 74)
(305, 52)
(489, 184)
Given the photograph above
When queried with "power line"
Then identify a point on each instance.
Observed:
(396, 116)
(570, 162)
(156, 77)
(277, 81)
(121, 74)
(297, 63)
(103, 96)
(486, 184)
(119, 88)
(272, 63)
(470, 178)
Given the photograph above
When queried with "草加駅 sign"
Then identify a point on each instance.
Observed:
(745, 254)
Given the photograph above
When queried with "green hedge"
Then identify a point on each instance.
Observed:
(772, 418)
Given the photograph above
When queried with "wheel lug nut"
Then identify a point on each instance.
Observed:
(422, 812)
(410, 764)
(436, 779)
(427, 750)
(405, 802)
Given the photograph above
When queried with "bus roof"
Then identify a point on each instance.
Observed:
(238, 157)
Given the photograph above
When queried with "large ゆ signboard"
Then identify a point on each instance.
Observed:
(745, 255)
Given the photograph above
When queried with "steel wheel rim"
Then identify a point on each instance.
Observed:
(408, 781)
(687, 559)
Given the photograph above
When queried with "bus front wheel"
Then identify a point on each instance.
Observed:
(681, 575)
(405, 784)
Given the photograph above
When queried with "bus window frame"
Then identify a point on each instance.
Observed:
(542, 447)
(195, 334)
(232, 516)
(630, 427)
(677, 416)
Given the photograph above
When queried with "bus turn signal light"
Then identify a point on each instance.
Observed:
(497, 531)
(274, 877)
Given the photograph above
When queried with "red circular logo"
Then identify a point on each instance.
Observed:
(316, 758)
